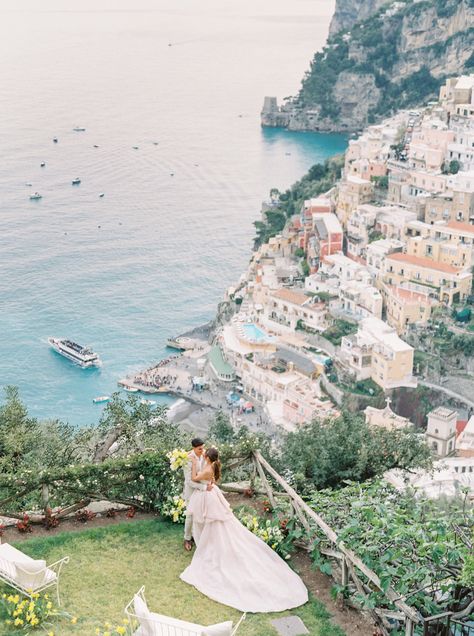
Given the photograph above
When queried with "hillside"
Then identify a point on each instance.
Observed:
(396, 58)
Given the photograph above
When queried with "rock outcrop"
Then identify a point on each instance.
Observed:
(348, 12)
(398, 57)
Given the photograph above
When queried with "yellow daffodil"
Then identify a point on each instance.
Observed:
(74, 620)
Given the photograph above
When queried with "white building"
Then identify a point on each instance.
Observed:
(441, 431)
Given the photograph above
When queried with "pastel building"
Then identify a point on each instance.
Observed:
(405, 307)
(377, 352)
(327, 239)
(443, 282)
(441, 431)
(352, 192)
(359, 226)
(286, 308)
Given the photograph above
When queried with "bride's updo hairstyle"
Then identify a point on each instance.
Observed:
(213, 455)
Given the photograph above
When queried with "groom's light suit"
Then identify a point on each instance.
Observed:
(189, 486)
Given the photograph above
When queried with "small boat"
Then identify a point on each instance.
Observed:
(130, 389)
(135, 147)
(28, 184)
(42, 164)
(79, 129)
(96, 146)
(76, 181)
(101, 399)
(101, 195)
(36, 196)
(155, 143)
(148, 402)
(55, 140)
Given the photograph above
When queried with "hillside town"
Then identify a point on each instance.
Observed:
(386, 250)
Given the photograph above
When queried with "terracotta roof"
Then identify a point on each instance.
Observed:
(462, 227)
(407, 294)
(290, 296)
(420, 261)
(460, 426)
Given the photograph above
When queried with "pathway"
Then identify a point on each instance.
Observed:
(452, 394)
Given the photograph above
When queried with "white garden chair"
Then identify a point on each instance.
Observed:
(142, 622)
(27, 575)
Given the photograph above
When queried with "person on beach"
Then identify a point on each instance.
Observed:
(197, 456)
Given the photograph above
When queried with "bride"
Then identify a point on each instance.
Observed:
(231, 565)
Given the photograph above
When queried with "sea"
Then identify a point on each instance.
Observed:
(169, 93)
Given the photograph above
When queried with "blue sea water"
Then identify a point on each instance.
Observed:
(153, 256)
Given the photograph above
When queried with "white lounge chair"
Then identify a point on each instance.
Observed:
(142, 622)
(28, 575)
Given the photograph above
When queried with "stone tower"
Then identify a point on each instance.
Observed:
(441, 431)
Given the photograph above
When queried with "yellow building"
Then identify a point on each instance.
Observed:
(352, 192)
(438, 280)
(405, 307)
(377, 352)
(449, 252)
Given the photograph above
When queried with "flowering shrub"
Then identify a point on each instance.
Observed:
(175, 509)
(267, 530)
(24, 525)
(50, 520)
(84, 515)
(21, 614)
(111, 630)
(177, 458)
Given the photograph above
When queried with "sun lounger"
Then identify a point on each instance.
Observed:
(142, 622)
(28, 575)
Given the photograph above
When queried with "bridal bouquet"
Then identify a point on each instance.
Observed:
(177, 458)
(174, 508)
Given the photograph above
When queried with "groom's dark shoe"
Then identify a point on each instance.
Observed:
(188, 546)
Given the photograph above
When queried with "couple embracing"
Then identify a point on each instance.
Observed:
(231, 565)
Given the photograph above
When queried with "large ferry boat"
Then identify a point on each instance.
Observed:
(83, 356)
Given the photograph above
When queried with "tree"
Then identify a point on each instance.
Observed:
(221, 430)
(325, 454)
(454, 166)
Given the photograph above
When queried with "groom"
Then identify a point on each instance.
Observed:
(190, 485)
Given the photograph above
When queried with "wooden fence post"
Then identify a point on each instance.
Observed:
(45, 496)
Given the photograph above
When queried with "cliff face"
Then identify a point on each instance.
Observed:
(396, 58)
(348, 12)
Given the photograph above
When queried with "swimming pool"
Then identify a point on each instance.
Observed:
(254, 333)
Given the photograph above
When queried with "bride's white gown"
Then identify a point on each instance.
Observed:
(233, 566)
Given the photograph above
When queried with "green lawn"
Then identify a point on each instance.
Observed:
(108, 565)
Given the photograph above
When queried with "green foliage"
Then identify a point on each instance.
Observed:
(380, 182)
(378, 39)
(454, 166)
(339, 329)
(375, 236)
(299, 252)
(325, 454)
(305, 268)
(26, 442)
(411, 543)
(320, 178)
(221, 430)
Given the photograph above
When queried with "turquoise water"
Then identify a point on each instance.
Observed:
(152, 257)
(253, 332)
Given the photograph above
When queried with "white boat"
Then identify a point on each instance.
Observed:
(148, 402)
(76, 181)
(102, 194)
(130, 389)
(102, 398)
(36, 196)
(79, 129)
(42, 164)
(83, 356)
(55, 140)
